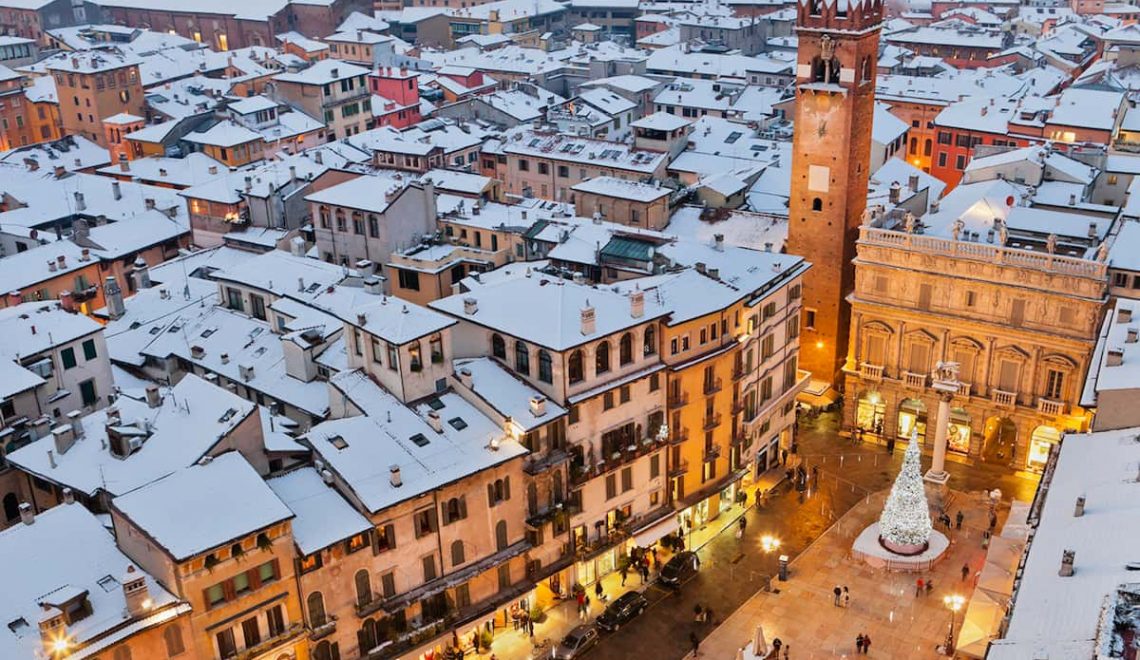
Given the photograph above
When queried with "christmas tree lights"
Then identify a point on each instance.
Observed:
(904, 526)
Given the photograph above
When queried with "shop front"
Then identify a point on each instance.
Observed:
(870, 412)
(1040, 444)
(959, 433)
(912, 419)
(768, 456)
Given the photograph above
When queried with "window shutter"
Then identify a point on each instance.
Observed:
(490, 494)
(506, 488)
(228, 589)
(463, 506)
(254, 577)
(444, 514)
(276, 569)
(433, 522)
(390, 534)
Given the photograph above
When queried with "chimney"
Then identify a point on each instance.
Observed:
(136, 593)
(714, 273)
(327, 477)
(116, 190)
(85, 254)
(934, 206)
(434, 421)
(318, 158)
(162, 171)
(1067, 559)
(394, 476)
(292, 172)
(1124, 315)
(66, 300)
(1132, 336)
(149, 203)
(297, 246)
(912, 183)
(60, 171)
(27, 515)
(80, 202)
(124, 164)
(114, 297)
(1092, 230)
(113, 416)
(300, 284)
(64, 437)
(361, 319)
(53, 627)
(374, 285)
(225, 358)
(213, 169)
(637, 304)
(61, 261)
(588, 319)
(246, 372)
(1115, 357)
(51, 265)
(40, 428)
(75, 419)
(470, 306)
(141, 274)
(68, 496)
(895, 193)
(153, 398)
(465, 378)
(768, 246)
(718, 242)
(1072, 199)
(700, 267)
(538, 405)
(1079, 509)
(335, 72)
(248, 183)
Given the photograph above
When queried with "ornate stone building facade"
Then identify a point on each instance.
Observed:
(1022, 325)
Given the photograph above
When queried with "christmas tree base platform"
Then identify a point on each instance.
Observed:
(868, 549)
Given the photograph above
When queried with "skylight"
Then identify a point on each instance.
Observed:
(457, 423)
(420, 439)
(338, 442)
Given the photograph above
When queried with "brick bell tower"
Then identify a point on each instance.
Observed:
(831, 149)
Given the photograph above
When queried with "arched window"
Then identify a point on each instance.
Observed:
(498, 347)
(914, 146)
(650, 340)
(625, 349)
(817, 204)
(501, 535)
(522, 358)
(363, 587)
(454, 510)
(316, 604)
(457, 556)
(602, 358)
(173, 638)
(574, 367)
(11, 507)
(545, 369)
(121, 653)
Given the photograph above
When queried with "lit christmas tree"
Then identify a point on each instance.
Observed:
(905, 523)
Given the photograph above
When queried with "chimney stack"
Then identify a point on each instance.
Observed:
(124, 164)
(66, 300)
(470, 306)
(637, 303)
(64, 437)
(1124, 315)
(114, 297)
(434, 421)
(80, 202)
(465, 378)
(1079, 509)
(912, 183)
(116, 190)
(538, 405)
(27, 514)
(153, 398)
(895, 192)
(68, 496)
(75, 419)
(394, 476)
(141, 274)
(588, 319)
(718, 242)
(1115, 357)
(297, 246)
(136, 593)
(1067, 559)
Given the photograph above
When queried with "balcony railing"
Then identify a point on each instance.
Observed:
(964, 389)
(913, 380)
(739, 372)
(324, 630)
(711, 453)
(712, 386)
(271, 643)
(678, 468)
(737, 406)
(711, 421)
(1050, 406)
(1005, 399)
(678, 399)
(871, 371)
(677, 436)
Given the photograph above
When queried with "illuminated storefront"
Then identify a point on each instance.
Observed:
(912, 418)
(1040, 443)
(870, 412)
(958, 435)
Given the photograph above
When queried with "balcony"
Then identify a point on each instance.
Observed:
(712, 386)
(737, 406)
(678, 469)
(678, 399)
(711, 422)
(1005, 399)
(738, 372)
(711, 453)
(871, 371)
(739, 440)
(1051, 407)
(913, 380)
(324, 630)
(677, 436)
(272, 643)
(964, 389)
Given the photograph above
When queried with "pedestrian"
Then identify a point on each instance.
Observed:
(530, 626)
(784, 457)
(644, 573)
(709, 615)
(698, 613)
(985, 538)
(866, 643)
(696, 642)
(958, 519)
(815, 476)
(859, 643)
(655, 562)
(918, 587)
(598, 591)
(743, 524)
(965, 571)
(993, 520)
(929, 585)
(838, 591)
(624, 573)
(846, 596)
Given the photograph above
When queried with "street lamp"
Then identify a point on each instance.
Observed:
(953, 602)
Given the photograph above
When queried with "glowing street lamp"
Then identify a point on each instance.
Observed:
(953, 602)
(769, 543)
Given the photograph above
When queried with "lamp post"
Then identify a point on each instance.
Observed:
(953, 602)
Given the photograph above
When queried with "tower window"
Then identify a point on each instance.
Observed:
(817, 204)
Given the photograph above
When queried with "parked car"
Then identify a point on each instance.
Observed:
(621, 611)
(680, 568)
(576, 642)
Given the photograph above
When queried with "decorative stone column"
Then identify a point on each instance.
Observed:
(946, 386)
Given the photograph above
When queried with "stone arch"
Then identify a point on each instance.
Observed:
(1041, 442)
(999, 440)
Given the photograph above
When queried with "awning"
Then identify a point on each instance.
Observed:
(656, 531)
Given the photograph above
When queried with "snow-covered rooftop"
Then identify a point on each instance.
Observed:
(323, 517)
